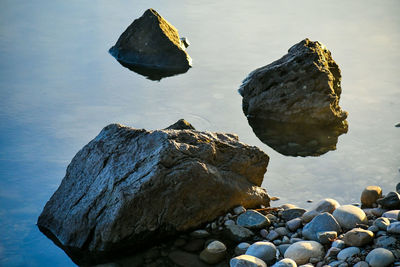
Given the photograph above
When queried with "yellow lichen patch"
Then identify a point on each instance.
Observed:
(169, 30)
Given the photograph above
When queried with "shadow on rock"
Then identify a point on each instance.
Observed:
(296, 139)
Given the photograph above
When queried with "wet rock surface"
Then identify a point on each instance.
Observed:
(151, 47)
(106, 204)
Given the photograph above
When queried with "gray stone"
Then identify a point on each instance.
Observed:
(272, 235)
(326, 237)
(382, 223)
(338, 244)
(358, 237)
(151, 42)
(262, 250)
(290, 214)
(282, 248)
(285, 263)
(229, 222)
(200, 234)
(361, 264)
(394, 228)
(309, 215)
(346, 253)
(106, 200)
(332, 252)
(380, 257)
(214, 252)
(282, 231)
(326, 205)
(348, 216)
(321, 223)
(378, 212)
(246, 261)
(238, 233)
(302, 251)
(392, 214)
(385, 241)
(239, 210)
(252, 219)
(370, 195)
(390, 201)
(182, 258)
(264, 233)
(373, 228)
(335, 263)
(293, 224)
(241, 248)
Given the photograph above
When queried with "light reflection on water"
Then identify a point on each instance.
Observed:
(59, 87)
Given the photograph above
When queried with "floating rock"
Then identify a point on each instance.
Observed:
(321, 223)
(346, 253)
(326, 237)
(370, 195)
(285, 263)
(326, 205)
(238, 233)
(390, 201)
(105, 205)
(151, 46)
(348, 216)
(262, 250)
(246, 261)
(214, 252)
(394, 228)
(241, 248)
(382, 223)
(380, 257)
(252, 219)
(293, 224)
(292, 213)
(358, 237)
(302, 251)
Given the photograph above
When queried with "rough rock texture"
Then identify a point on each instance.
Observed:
(131, 186)
(151, 43)
(301, 87)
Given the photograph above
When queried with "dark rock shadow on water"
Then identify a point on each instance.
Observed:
(295, 139)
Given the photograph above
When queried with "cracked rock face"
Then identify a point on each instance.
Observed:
(128, 188)
(301, 87)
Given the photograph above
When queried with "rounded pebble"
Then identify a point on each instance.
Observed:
(346, 253)
(262, 250)
(380, 257)
(247, 261)
(358, 237)
(370, 195)
(214, 252)
(348, 216)
(241, 248)
(302, 251)
(285, 263)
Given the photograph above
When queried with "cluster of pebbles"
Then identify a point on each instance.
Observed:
(330, 234)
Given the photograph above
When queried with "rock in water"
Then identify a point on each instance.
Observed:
(128, 188)
(151, 46)
(302, 87)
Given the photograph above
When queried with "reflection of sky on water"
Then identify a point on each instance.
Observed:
(59, 87)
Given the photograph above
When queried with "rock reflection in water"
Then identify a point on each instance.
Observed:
(292, 139)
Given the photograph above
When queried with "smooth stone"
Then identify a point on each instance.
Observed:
(282, 248)
(214, 252)
(285, 263)
(292, 213)
(338, 244)
(326, 237)
(326, 205)
(309, 215)
(380, 257)
(271, 217)
(246, 261)
(252, 219)
(370, 195)
(238, 233)
(348, 216)
(239, 210)
(335, 263)
(293, 224)
(241, 248)
(391, 201)
(229, 222)
(394, 228)
(262, 250)
(361, 264)
(295, 239)
(385, 241)
(277, 242)
(378, 212)
(382, 223)
(194, 245)
(302, 251)
(392, 214)
(358, 237)
(321, 223)
(347, 253)
(272, 235)
(332, 252)
(263, 233)
(200, 234)
(288, 206)
(373, 228)
(282, 231)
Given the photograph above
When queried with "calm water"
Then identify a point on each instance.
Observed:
(60, 87)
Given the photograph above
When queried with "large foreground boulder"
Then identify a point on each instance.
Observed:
(129, 187)
(303, 87)
(151, 46)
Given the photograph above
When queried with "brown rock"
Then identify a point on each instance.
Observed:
(370, 195)
(358, 237)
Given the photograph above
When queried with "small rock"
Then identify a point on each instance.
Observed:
(385, 241)
(282, 231)
(346, 253)
(246, 261)
(272, 235)
(200, 234)
(378, 212)
(262, 250)
(215, 252)
(214, 226)
(332, 252)
(382, 223)
(392, 214)
(370, 195)
(338, 244)
(282, 248)
(326, 205)
(358, 237)
(394, 228)
(302, 251)
(194, 245)
(348, 216)
(229, 222)
(326, 237)
(285, 240)
(238, 233)
(309, 215)
(361, 264)
(293, 224)
(263, 233)
(252, 219)
(295, 239)
(292, 213)
(241, 248)
(373, 228)
(390, 201)
(380, 257)
(285, 263)
(271, 217)
(239, 210)
(380, 233)
(277, 242)
(321, 223)
(288, 206)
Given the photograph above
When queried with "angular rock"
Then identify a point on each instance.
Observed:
(106, 204)
(246, 261)
(285, 263)
(390, 201)
(348, 216)
(321, 223)
(302, 251)
(214, 252)
(370, 195)
(152, 43)
(252, 219)
(380, 257)
(292, 213)
(346, 253)
(182, 124)
(262, 250)
(358, 237)
(238, 233)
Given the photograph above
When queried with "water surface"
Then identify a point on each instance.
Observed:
(60, 87)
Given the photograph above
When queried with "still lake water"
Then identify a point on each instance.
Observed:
(60, 87)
